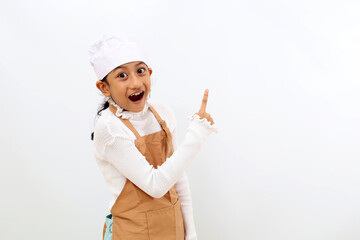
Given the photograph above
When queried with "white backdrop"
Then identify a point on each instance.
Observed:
(284, 91)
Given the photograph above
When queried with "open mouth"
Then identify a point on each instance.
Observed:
(136, 96)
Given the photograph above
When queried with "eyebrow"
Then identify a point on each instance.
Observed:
(122, 66)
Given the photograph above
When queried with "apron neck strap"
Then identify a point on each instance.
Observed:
(170, 148)
(125, 121)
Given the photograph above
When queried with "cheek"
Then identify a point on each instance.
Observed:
(120, 88)
(148, 82)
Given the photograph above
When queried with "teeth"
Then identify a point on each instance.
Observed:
(135, 94)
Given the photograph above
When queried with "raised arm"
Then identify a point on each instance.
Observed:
(125, 157)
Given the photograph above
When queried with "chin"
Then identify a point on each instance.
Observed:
(139, 107)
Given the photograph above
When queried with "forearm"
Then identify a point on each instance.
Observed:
(122, 153)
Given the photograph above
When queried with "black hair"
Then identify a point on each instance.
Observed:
(102, 107)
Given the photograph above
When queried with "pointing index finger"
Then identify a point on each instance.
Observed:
(204, 101)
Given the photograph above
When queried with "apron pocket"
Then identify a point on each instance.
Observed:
(162, 223)
(129, 227)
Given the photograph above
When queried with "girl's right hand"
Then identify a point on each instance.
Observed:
(202, 112)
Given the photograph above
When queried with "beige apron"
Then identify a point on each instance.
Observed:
(137, 215)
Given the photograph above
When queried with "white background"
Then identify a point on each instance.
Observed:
(284, 92)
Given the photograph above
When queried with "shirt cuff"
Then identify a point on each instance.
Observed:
(204, 122)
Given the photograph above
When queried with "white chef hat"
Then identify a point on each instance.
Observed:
(113, 50)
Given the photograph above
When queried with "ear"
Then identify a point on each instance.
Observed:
(150, 71)
(103, 87)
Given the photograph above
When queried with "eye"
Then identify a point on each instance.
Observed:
(122, 75)
(139, 70)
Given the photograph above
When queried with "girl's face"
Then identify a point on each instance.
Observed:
(129, 85)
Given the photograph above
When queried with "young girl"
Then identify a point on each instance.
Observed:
(136, 150)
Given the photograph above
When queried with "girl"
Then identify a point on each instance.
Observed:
(136, 150)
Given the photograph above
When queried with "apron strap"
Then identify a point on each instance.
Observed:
(170, 148)
(125, 121)
(129, 125)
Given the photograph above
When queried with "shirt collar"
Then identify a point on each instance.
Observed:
(120, 112)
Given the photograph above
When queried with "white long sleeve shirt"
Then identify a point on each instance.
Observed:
(118, 158)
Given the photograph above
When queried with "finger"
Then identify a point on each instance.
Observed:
(204, 101)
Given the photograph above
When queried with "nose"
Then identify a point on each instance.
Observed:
(135, 82)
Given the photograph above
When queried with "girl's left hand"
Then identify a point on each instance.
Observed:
(202, 112)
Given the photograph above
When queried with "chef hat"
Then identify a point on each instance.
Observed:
(113, 50)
